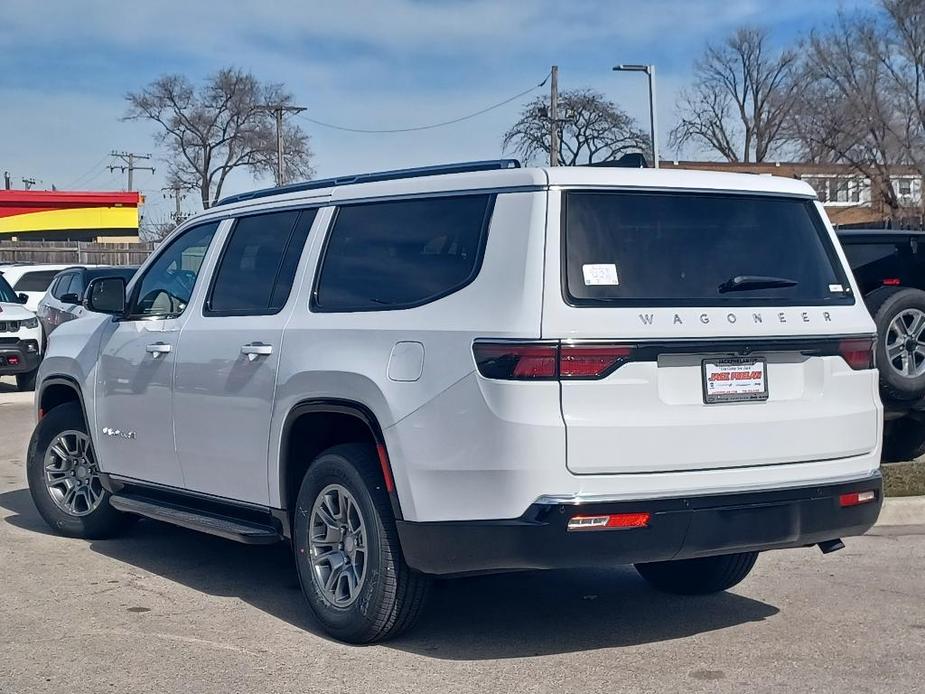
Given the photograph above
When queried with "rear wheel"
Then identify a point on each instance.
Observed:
(64, 478)
(347, 551)
(900, 318)
(903, 439)
(699, 576)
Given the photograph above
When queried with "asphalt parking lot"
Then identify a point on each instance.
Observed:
(168, 610)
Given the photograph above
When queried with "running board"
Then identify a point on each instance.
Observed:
(246, 532)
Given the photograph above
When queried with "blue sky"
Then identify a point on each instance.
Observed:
(389, 64)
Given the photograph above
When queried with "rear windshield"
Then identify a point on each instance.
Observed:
(37, 281)
(698, 249)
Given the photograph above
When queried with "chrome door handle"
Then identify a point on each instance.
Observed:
(256, 349)
(159, 348)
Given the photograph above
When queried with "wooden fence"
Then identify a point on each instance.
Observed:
(74, 252)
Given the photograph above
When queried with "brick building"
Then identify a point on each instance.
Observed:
(849, 198)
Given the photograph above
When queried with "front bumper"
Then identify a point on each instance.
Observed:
(679, 528)
(18, 357)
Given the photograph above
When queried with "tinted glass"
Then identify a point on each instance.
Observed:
(60, 285)
(125, 273)
(680, 248)
(256, 270)
(7, 295)
(37, 281)
(874, 262)
(399, 254)
(168, 283)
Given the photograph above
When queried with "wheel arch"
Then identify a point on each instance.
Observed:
(58, 390)
(332, 421)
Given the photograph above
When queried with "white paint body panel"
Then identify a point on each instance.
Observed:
(461, 446)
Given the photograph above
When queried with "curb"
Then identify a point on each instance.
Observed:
(902, 510)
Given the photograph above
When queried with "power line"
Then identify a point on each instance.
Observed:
(80, 179)
(432, 125)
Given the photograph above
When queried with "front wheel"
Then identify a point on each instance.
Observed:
(347, 551)
(699, 576)
(64, 478)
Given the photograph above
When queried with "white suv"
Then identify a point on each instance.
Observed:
(476, 368)
(20, 338)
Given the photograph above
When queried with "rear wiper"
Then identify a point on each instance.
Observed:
(744, 283)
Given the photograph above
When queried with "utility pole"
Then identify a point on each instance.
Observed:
(278, 110)
(554, 117)
(7, 181)
(176, 192)
(129, 159)
(28, 183)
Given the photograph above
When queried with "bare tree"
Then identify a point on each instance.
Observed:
(591, 129)
(740, 100)
(845, 114)
(900, 48)
(224, 124)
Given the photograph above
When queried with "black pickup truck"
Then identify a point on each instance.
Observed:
(890, 267)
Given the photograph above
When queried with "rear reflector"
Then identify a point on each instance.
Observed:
(12, 361)
(609, 521)
(856, 498)
(891, 282)
(521, 361)
(858, 353)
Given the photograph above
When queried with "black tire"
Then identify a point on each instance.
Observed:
(698, 576)
(884, 305)
(26, 381)
(101, 523)
(391, 596)
(903, 439)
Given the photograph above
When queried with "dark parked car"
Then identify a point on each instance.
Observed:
(890, 268)
(64, 300)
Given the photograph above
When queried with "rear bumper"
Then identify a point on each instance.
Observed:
(678, 528)
(25, 354)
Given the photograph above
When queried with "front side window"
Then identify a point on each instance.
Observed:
(59, 288)
(258, 266)
(400, 254)
(697, 249)
(167, 285)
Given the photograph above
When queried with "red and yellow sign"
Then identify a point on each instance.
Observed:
(32, 211)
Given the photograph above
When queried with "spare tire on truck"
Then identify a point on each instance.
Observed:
(900, 317)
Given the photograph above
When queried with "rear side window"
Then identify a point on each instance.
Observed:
(37, 281)
(259, 263)
(400, 254)
(698, 249)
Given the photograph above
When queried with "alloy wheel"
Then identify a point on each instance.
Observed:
(337, 532)
(71, 474)
(905, 343)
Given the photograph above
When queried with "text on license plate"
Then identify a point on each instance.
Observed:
(735, 380)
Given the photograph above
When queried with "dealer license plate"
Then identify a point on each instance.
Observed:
(739, 379)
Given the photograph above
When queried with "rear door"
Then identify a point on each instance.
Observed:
(228, 357)
(704, 330)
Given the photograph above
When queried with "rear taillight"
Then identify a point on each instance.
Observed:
(547, 361)
(610, 521)
(517, 361)
(858, 353)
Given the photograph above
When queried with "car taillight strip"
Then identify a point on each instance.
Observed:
(552, 360)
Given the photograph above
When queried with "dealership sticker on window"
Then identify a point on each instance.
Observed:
(836, 288)
(600, 274)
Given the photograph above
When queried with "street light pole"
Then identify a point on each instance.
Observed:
(653, 118)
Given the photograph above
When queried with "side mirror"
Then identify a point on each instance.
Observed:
(106, 295)
(70, 299)
(23, 297)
